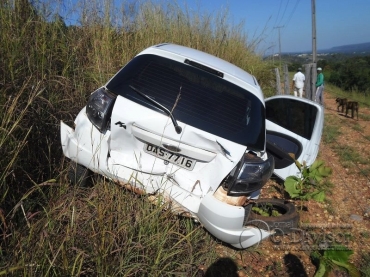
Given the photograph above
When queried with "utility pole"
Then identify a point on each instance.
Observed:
(279, 27)
(314, 52)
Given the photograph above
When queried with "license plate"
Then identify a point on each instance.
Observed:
(163, 154)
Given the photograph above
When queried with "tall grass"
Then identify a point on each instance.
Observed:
(48, 68)
(13, 137)
(106, 231)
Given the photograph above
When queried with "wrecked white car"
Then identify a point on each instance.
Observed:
(196, 131)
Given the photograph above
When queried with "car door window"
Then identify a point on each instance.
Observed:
(293, 115)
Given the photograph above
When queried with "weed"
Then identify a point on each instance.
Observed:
(362, 116)
(357, 127)
(266, 210)
(311, 183)
(337, 258)
(365, 264)
(348, 156)
(330, 133)
(347, 164)
(365, 171)
(330, 208)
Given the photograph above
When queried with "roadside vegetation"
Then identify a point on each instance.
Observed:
(48, 68)
(348, 75)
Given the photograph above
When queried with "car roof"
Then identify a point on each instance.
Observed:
(231, 71)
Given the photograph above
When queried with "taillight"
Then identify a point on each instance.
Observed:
(99, 108)
(249, 175)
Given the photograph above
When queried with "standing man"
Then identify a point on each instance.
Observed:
(319, 87)
(298, 82)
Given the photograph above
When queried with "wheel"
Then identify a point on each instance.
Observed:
(79, 175)
(279, 215)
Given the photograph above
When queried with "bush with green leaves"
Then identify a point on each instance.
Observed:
(335, 258)
(309, 184)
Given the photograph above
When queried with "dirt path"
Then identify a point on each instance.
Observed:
(343, 218)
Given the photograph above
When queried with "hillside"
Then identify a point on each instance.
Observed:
(352, 48)
(345, 50)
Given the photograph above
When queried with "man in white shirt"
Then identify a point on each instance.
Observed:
(298, 82)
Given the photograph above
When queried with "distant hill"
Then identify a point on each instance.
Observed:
(358, 48)
(351, 49)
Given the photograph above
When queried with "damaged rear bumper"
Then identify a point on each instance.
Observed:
(228, 223)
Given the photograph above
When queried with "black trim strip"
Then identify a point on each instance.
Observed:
(205, 68)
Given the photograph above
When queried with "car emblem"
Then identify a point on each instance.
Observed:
(171, 148)
(121, 124)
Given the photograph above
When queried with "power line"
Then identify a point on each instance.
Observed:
(276, 20)
(293, 11)
(284, 11)
(278, 13)
(281, 19)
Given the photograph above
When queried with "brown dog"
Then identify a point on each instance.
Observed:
(341, 102)
(353, 106)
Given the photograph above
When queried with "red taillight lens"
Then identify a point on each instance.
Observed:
(99, 108)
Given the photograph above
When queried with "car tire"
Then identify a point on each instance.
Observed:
(78, 175)
(285, 223)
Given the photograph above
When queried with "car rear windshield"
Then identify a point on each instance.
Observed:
(197, 97)
(296, 116)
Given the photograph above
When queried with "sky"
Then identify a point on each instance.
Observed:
(338, 22)
(286, 25)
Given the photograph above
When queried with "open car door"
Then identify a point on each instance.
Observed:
(293, 126)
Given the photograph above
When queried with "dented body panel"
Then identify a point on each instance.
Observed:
(193, 158)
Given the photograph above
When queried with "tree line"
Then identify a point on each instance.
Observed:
(348, 72)
(351, 74)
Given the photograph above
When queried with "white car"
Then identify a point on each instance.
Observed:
(195, 131)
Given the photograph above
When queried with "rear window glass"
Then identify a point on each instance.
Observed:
(196, 97)
(296, 116)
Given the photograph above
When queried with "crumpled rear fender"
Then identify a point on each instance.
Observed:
(85, 144)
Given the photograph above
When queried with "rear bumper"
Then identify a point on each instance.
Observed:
(226, 222)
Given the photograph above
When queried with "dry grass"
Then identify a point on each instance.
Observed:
(47, 71)
(106, 231)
